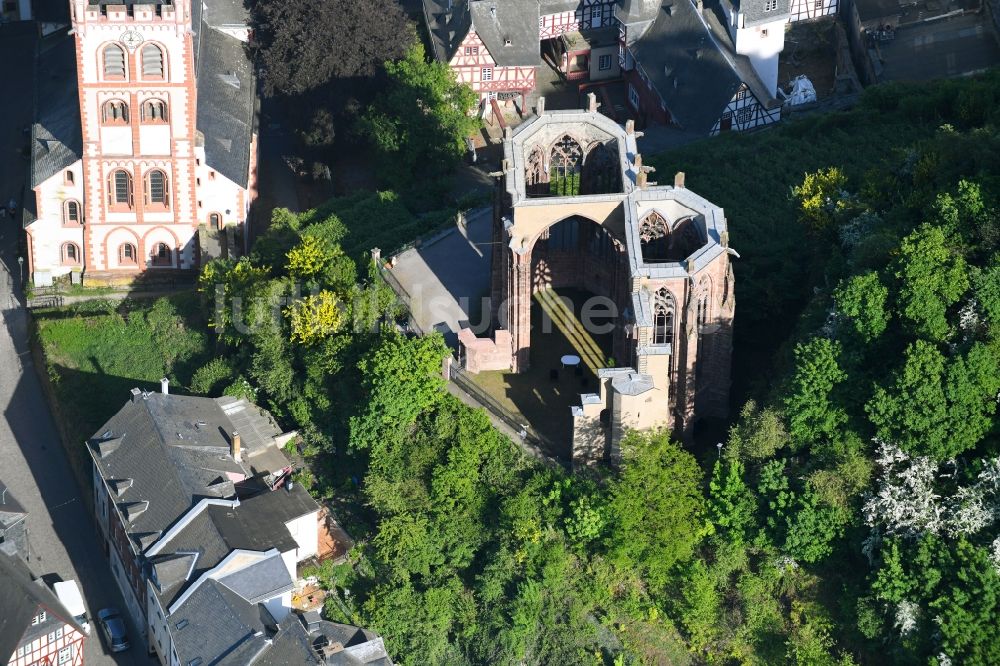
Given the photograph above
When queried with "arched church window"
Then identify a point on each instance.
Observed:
(115, 112)
(152, 62)
(154, 111)
(127, 254)
(114, 62)
(120, 190)
(565, 160)
(601, 173)
(156, 188)
(72, 212)
(663, 317)
(536, 174)
(684, 239)
(162, 255)
(70, 253)
(654, 233)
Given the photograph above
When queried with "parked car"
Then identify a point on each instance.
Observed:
(69, 594)
(113, 627)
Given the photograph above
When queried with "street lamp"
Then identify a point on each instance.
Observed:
(719, 446)
(20, 264)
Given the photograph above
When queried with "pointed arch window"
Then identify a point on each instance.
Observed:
(663, 318)
(127, 255)
(115, 112)
(120, 190)
(157, 194)
(114, 62)
(162, 255)
(152, 62)
(601, 173)
(565, 160)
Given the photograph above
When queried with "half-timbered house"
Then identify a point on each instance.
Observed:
(35, 628)
(705, 70)
(491, 46)
(682, 69)
(804, 10)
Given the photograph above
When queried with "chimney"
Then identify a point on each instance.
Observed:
(540, 106)
(591, 102)
(165, 386)
(136, 395)
(234, 446)
(679, 180)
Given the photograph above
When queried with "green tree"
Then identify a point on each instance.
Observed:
(402, 378)
(863, 299)
(821, 196)
(656, 506)
(936, 407)
(731, 503)
(811, 412)
(314, 318)
(931, 278)
(759, 433)
(420, 124)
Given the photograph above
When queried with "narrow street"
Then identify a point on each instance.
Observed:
(62, 535)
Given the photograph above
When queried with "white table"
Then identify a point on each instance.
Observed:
(570, 360)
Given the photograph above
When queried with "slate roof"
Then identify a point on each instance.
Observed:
(261, 581)
(509, 29)
(56, 139)
(21, 595)
(446, 28)
(226, 102)
(754, 12)
(175, 451)
(636, 11)
(218, 625)
(691, 67)
(201, 537)
(259, 522)
(497, 22)
(224, 13)
(300, 639)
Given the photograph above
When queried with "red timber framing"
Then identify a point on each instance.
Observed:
(474, 66)
(804, 10)
(744, 112)
(46, 649)
(593, 14)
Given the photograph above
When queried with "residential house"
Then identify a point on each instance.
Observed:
(35, 628)
(703, 68)
(189, 490)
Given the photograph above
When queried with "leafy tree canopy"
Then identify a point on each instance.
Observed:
(932, 277)
(301, 44)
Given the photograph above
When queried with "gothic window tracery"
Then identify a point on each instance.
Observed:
(536, 175)
(565, 159)
(654, 232)
(601, 174)
(663, 317)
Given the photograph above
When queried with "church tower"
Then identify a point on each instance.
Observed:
(144, 148)
(135, 69)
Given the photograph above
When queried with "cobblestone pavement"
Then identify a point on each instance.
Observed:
(62, 536)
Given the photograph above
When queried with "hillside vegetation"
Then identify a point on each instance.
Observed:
(851, 515)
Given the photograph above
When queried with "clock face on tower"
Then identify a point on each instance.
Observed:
(131, 39)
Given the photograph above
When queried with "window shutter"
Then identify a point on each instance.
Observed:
(152, 61)
(114, 62)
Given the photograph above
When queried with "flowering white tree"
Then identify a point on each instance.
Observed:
(907, 503)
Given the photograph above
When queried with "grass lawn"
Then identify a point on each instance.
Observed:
(97, 351)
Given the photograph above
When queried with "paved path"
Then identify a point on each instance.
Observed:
(63, 539)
